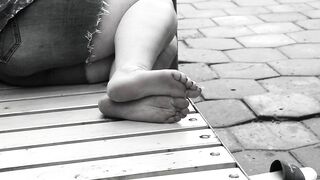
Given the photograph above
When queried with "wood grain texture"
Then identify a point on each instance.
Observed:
(51, 119)
(106, 149)
(221, 174)
(89, 132)
(133, 166)
(49, 91)
(49, 104)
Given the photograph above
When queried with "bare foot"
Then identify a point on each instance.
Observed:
(132, 84)
(158, 109)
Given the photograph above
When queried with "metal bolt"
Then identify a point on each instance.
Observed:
(193, 119)
(234, 176)
(205, 136)
(215, 154)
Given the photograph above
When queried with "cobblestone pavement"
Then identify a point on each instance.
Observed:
(259, 62)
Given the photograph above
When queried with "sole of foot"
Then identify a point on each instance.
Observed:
(155, 109)
(127, 85)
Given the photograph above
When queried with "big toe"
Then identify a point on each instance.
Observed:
(193, 93)
(180, 103)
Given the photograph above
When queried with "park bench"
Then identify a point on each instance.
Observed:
(58, 133)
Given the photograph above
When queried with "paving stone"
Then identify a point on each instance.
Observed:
(236, 20)
(283, 105)
(230, 88)
(188, 11)
(306, 36)
(246, 10)
(255, 55)
(187, 34)
(265, 40)
(282, 17)
(198, 72)
(312, 13)
(244, 70)
(297, 67)
(310, 23)
(274, 135)
(294, 1)
(197, 99)
(213, 43)
(314, 125)
(226, 31)
(304, 85)
(224, 113)
(315, 4)
(268, 28)
(228, 139)
(255, 2)
(202, 55)
(309, 156)
(214, 5)
(189, 1)
(300, 51)
(195, 23)
(258, 162)
(289, 8)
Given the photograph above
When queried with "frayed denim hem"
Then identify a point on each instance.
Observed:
(96, 30)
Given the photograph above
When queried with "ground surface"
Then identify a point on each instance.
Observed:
(259, 62)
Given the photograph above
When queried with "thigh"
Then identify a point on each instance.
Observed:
(51, 34)
(104, 42)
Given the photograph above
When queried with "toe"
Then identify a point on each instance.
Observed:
(189, 84)
(179, 76)
(177, 118)
(193, 93)
(194, 86)
(185, 112)
(180, 103)
(182, 115)
(176, 75)
(184, 78)
(170, 120)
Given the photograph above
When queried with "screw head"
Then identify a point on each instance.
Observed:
(215, 154)
(233, 176)
(205, 136)
(193, 119)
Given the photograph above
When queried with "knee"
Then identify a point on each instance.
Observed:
(165, 10)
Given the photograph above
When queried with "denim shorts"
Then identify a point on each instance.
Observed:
(53, 33)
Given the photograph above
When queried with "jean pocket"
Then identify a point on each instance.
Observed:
(10, 40)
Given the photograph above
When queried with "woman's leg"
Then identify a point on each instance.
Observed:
(95, 72)
(144, 31)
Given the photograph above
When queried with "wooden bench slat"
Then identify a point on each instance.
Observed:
(51, 119)
(221, 174)
(89, 132)
(105, 149)
(51, 104)
(133, 166)
(51, 91)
